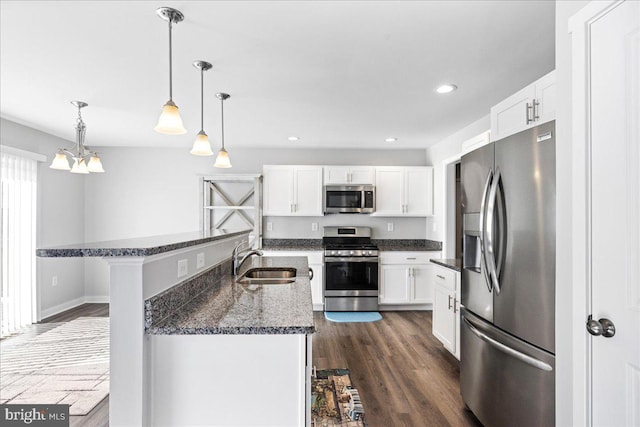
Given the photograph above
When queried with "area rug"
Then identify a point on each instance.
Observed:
(63, 364)
(352, 316)
(335, 401)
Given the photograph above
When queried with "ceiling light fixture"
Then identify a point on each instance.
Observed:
(446, 88)
(293, 138)
(201, 146)
(222, 161)
(170, 122)
(391, 140)
(85, 160)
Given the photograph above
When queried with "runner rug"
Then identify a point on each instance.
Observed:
(57, 363)
(335, 401)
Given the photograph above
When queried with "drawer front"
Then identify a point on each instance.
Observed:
(394, 257)
(444, 277)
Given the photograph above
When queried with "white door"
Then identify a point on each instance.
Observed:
(394, 284)
(419, 191)
(615, 218)
(278, 190)
(422, 283)
(389, 191)
(308, 191)
(362, 175)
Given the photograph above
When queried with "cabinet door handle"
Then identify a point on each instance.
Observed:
(536, 104)
(529, 109)
(449, 302)
(455, 302)
(441, 277)
(412, 258)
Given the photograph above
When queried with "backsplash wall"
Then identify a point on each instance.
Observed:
(301, 227)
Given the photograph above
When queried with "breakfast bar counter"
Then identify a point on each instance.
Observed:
(229, 307)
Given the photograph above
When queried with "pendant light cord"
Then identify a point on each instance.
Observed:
(170, 63)
(202, 99)
(222, 125)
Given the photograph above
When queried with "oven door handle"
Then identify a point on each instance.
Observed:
(351, 259)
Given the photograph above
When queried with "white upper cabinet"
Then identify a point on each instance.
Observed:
(292, 190)
(404, 191)
(349, 175)
(531, 106)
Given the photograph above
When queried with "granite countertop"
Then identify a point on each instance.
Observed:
(408, 245)
(232, 308)
(383, 245)
(143, 246)
(453, 264)
(292, 244)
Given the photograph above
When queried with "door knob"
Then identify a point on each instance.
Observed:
(608, 328)
(604, 327)
(593, 326)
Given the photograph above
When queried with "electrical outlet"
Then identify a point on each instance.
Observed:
(200, 260)
(314, 226)
(389, 226)
(54, 281)
(269, 226)
(183, 266)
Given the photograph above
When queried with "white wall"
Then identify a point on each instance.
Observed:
(564, 301)
(436, 154)
(155, 191)
(60, 218)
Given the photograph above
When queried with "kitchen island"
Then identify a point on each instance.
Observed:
(196, 347)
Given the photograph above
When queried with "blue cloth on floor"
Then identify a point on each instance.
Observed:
(352, 316)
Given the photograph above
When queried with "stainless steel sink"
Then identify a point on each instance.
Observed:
(268, 276)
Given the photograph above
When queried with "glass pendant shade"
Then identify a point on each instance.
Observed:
(60, 162)
(222, 161)
(79, 166)
(95, 165)
(170, 122)
(201, 146)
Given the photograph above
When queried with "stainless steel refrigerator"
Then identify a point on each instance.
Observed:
(507, 338)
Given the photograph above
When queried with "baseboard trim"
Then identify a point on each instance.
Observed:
(97, 299)
(401, 307)
(52, 311)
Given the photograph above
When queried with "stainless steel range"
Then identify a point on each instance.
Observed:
(350, 269)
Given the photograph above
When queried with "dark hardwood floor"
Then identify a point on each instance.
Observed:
(404, 375)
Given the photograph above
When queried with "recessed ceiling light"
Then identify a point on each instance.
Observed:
(446, 88)
(391, 140)
(293, 138)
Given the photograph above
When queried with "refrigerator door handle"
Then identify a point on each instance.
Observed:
(508, 350)
(490, 248)
(484, 268)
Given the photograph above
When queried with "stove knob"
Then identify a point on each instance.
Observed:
(351, 252)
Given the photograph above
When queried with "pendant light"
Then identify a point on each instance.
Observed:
(84, 159)
(170, 122)
(201, 146)
(222, 161)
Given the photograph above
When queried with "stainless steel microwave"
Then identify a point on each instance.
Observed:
(349, 199)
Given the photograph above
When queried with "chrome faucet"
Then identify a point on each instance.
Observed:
(245, 255)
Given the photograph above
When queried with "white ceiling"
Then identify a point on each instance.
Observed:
(334, 73)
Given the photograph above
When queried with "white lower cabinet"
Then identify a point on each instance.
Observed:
(315, 264)
(406, 278)
(446, 308)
